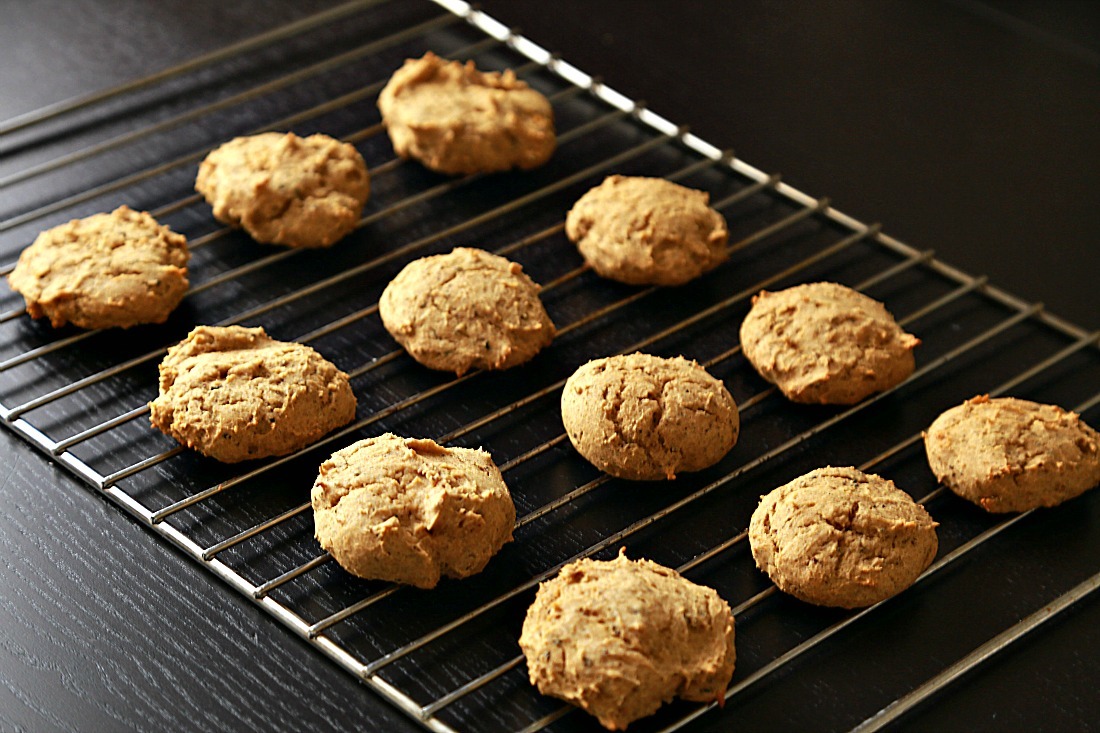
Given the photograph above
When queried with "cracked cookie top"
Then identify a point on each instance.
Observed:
(107, 270)
(841, 537)
(234, 393)
(1011, 455)
(285, 189)
(647, 231)
(824, 343)
(647, 418)
(467, 309)
(409, 510)
(455, 119)
(620, 638)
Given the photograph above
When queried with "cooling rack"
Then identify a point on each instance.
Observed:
(448, 657)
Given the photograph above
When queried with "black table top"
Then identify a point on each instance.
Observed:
(963, 126)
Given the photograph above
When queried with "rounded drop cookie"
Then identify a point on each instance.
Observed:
(1011, 455)
(841, 537)
(234, 393)
(824, 343)
(409, 510)
(107, 270)
(285, 189)
(455, 119)
(647, 418)
(621, 638)
(647, 231)
(467, 309)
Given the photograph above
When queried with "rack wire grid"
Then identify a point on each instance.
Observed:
(449, 657)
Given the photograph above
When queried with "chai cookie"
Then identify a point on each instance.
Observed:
(467, 309)
(647, 231)
(456, 119)
(409, 510)
(107, 270)
(621, 638)
(1011, 455)
(646, 418)
(825, 343)
(285, 189)
(841, 537)
(233, 393)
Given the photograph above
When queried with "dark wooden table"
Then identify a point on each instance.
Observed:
(969, 127)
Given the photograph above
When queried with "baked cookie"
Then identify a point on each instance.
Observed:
(410, 510)
(467, 309)
(621, 638)
(456, 119)
(1011, 455)
(841, 537)
(285, 189)
(107, 270)
(646, 418)
(647, 231)
(233, 393)
(825, 343)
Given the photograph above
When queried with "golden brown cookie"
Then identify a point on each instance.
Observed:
(841, 537)
(646, 418)
(647, 231)
(107, 270)
(825, 343)
(456, 119)
(233, 393)
(285, 189)
(410, 510)
(621, 638)
(467, 309)
(1011, 455)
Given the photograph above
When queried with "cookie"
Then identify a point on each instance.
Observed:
(841, 537)
(825, 343)
(467, 309)
(1011, 455)
(647, 231)
(107, 270)
(233, 393)
(646, 418)
(455, 119)
(621, 638)
(409, 510)
(285, 189)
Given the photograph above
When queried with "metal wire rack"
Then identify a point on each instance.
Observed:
(449, 657)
